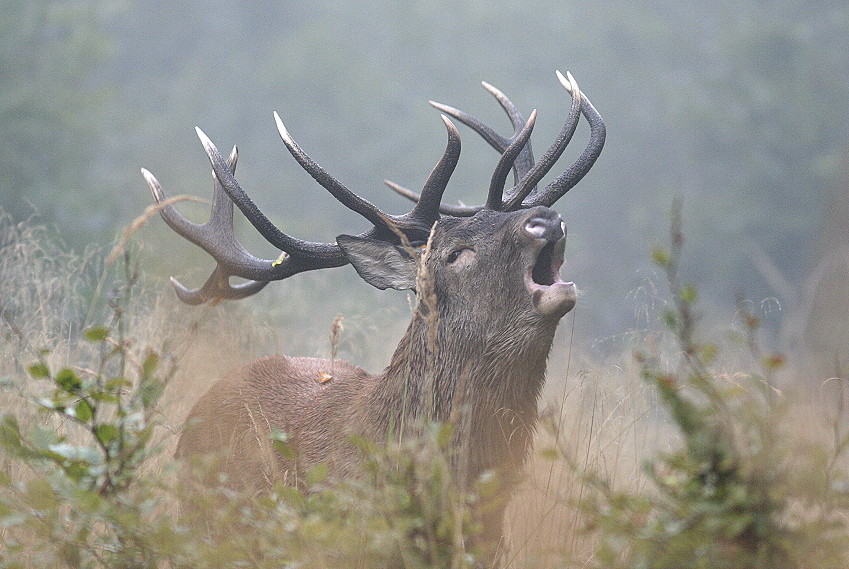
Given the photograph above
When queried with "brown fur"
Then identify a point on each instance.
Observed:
(474, 355)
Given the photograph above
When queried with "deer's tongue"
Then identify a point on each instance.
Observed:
(550, 294)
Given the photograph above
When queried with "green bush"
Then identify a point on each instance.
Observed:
(742, 491)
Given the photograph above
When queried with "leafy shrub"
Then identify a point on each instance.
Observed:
(741, 491)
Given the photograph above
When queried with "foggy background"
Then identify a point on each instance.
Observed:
(738, 108)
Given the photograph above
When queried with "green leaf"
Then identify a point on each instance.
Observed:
(709, 352)
(150, 392)
(688, 294)
(550, 453)
(117, 383)
(366, 446)
(76, 471)
(105, 397)
(106, 433)
(84, 411)
(280, 442)
(96, 333)
(88, 501)
(40, 495)
(68, 380)
(317, 474)
(444, 435)
(151, 362)
(39, 370)
(660, 256)
(670, 319)
(10, 433)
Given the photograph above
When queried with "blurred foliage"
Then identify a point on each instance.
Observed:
(741, 491)
(51, 104)
(84, 481)
(83, 497)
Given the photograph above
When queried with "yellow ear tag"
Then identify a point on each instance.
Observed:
(324, 377)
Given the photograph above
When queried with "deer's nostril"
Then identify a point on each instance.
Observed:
(536, 228)
(550, 229)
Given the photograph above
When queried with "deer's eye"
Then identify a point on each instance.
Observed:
(456, 253)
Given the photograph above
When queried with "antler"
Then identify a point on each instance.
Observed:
(218, 239)
(527, 173)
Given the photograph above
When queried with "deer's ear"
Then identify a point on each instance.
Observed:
(380, 264)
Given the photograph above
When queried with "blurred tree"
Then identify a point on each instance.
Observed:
(49, 105)
(763, 105)
(741, 109)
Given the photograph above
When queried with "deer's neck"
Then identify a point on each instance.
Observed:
(483, 385)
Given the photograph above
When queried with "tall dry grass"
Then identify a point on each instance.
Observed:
(602, 420)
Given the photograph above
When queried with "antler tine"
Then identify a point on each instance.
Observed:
(348, 198)
(505, 163)
(446, 209)
(528, 184)
(525, 159)
(220, 221)
(218, 228)
(487, 133)
(268, 230)
(427, 208)
(516, 152)
(438, 180)
(217, 237)
(568, 179)
(222, 205)
(217, 286)
(531, 173)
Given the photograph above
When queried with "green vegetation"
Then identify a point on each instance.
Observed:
(742, 490)
(86, 478)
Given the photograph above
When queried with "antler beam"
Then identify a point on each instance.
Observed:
(217, 236)
(524, 193)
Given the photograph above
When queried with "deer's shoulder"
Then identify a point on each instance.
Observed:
(285, 372)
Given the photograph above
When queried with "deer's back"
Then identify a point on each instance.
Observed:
(315, 402)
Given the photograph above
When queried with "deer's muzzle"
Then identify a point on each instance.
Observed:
(551, 295)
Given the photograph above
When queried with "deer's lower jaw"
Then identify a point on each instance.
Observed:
(551, 295)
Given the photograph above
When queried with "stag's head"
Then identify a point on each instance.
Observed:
(497, 270)
(497, 265)
(524, 281)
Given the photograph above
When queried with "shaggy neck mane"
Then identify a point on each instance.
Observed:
(485, 388)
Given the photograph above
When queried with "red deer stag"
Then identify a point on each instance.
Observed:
(489, 299)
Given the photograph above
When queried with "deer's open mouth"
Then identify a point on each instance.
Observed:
(551, 295)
